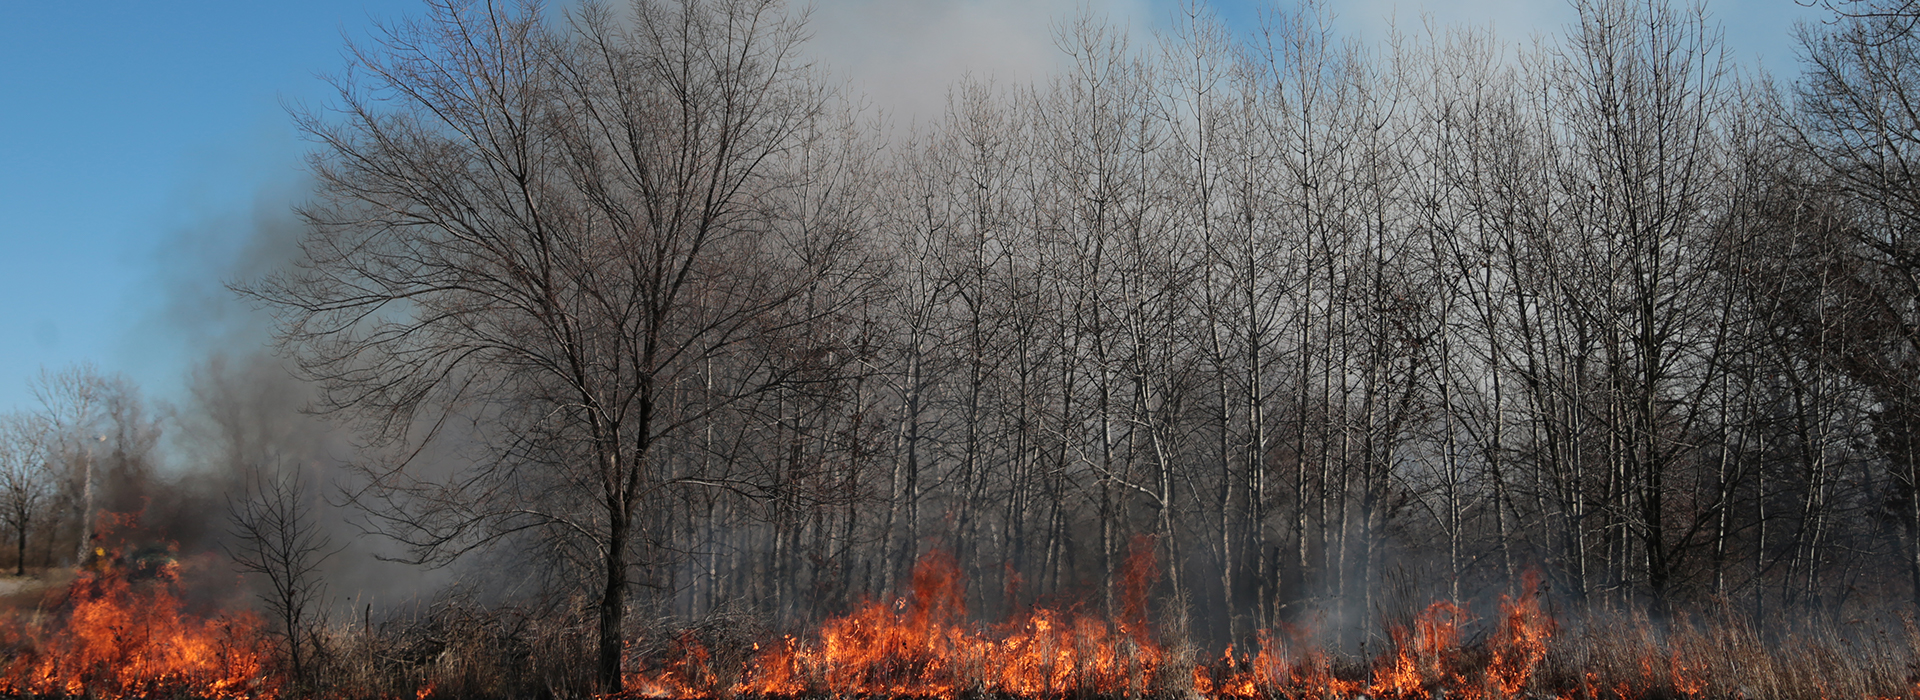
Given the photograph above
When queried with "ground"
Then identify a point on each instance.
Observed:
(30, 591)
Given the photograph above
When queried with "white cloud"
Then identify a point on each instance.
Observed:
(1512, 20)
(904, 54)
(1755, 30)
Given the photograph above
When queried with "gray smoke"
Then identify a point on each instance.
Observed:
(241, 410)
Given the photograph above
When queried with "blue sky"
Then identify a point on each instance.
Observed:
(126, 124)
(145, 140)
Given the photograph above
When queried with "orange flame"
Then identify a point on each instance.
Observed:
(1422, 661)
(131, 639)
(123, 633)
(1520, 642)
(922, 647)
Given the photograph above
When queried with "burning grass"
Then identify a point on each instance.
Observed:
(923, 647)
(120, 630)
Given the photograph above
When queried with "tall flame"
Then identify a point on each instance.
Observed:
(1520, 642)
(122, 633)
(922, 647)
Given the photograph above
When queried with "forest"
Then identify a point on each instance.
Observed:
(635, 304)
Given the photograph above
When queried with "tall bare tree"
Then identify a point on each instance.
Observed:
(1854, 121)
(103, 437)
(584, 236)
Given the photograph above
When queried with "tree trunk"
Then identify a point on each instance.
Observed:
(613, 602)
(1913, 517)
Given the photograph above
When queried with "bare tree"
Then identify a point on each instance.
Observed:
(581, 237)
(1854, 215)
(83, 408)
(1635, 137)
(27, 444)
(276, 536)
(1898, 16)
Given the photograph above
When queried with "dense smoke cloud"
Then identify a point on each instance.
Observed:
(242, 413)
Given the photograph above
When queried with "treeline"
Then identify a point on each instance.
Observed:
(1341, 327)
(1347, 327)
(90, 444)
(93, 465)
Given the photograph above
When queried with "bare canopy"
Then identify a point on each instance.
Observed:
(580, 235)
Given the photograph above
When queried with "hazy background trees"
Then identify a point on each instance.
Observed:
(26, 478)
(1343, 337)
(630, 294)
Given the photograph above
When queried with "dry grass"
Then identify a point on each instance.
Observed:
(1723, 654)
(456, 649)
